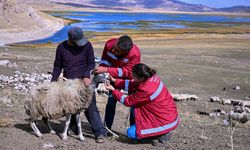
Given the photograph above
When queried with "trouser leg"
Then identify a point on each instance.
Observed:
(132, 116)
(93, 116)
(110, 111)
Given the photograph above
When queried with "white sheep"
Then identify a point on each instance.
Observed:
(57, 99)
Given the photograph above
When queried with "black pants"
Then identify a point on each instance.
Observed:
(93, 116)
(110, 112)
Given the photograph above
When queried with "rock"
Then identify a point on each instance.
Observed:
(17, 73)
(214, 99)
(184, 97)
(226, 101)
(226, 122)
(245, 103)
(241, 117)
(4, 63)
(236, 87)
(49, 145)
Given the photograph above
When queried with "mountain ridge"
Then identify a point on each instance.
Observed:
(166, 5)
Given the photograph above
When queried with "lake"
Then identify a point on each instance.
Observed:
(121, 21)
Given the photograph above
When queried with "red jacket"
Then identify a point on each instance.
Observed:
(120, 67)
(155, 111)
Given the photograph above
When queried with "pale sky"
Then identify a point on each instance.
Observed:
(219, 3)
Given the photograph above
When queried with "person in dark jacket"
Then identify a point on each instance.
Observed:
(75, 57)
(155, 112)
(118, 57)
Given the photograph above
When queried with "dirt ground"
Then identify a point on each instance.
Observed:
(201, 64)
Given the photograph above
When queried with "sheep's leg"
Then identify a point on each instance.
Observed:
(46, 121)
(79, 127)
(35, 129)
(64, 134)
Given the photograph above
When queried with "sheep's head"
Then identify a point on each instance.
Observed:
(98, 78)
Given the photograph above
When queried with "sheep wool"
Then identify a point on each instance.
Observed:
(54, 100)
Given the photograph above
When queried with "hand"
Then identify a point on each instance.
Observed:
(111, 78)
(101, 69)
(86, 81)
(108, 86)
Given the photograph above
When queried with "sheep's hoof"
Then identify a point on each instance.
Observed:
(52, 132)
(38, 134)
(81, 138)
(63, 137)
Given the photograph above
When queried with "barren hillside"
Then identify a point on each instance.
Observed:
(21, 22)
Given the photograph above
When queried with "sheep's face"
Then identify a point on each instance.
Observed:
(98, 78)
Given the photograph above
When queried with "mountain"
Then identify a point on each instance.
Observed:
(163, 5)
(241, 9)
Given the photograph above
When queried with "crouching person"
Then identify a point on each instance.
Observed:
(154, 112)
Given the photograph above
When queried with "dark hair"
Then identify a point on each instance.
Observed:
(125, 43)
(143, 71)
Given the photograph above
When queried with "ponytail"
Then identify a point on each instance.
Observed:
(143, 71)
(151, 72)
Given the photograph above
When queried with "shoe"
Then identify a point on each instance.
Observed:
(162, 140)
(165, 137)
(157, 143)
(100, 139)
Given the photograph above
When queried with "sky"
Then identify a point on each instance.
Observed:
(219, 3)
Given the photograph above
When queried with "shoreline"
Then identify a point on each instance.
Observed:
(15, 37)
(69, 9)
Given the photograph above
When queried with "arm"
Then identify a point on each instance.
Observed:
(126, 70)
(139, 98)
(90, 61)
(105, 60)
(57, 64)
(127, 85)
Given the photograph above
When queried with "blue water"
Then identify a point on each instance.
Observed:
(117, 22)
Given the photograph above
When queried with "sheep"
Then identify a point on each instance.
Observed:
(54, 100)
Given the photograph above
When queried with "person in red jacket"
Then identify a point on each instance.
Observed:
(155, 112)
(118, 58)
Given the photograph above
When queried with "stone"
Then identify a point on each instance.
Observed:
(4, 63)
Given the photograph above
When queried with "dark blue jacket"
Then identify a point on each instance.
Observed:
(76, 62)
